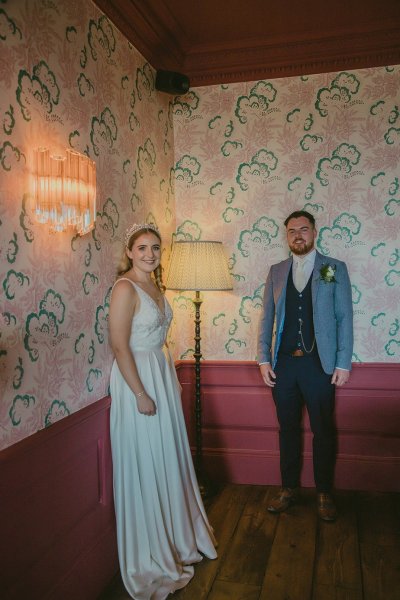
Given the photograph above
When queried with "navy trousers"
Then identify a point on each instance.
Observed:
(299, 381)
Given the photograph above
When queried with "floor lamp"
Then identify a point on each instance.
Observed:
(198, 266)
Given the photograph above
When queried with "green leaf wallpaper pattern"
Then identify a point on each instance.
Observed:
(325, 143)
(223, 162)
(79, 84)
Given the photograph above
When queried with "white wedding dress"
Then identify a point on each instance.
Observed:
(162, 527)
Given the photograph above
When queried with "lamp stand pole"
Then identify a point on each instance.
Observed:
(197, 357)
(204, 484)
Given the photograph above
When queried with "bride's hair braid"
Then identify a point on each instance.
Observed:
(158, 279)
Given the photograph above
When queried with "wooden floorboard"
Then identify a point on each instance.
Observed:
(379, 531)
(289, 570)
(224, 514)
(294, 555)
(337, 563)
(245, 559)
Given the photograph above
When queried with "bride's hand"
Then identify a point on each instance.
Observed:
(146, 406)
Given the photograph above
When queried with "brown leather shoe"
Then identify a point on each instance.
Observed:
(283, 500)
(326, 507)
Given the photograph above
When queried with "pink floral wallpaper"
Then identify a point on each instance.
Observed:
(248, 154)
(223, 162)
(69, 79)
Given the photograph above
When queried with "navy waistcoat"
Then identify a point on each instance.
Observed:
(297, 306)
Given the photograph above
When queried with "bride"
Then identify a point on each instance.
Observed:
(162, 527)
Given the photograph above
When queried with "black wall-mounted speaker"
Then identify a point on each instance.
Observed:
(171, 82)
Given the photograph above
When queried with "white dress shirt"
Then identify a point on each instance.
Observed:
(307, 262)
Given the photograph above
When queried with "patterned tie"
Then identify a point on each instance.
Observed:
(300, 276)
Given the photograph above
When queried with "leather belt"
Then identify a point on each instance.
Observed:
(297, 352)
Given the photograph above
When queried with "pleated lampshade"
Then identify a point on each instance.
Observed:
(198, 265)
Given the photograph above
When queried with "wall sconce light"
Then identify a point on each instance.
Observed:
(64, 190)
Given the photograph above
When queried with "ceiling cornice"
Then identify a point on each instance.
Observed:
(145, 29)
(327, 54)
(153, 30)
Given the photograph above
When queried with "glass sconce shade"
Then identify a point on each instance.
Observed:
(64, 190)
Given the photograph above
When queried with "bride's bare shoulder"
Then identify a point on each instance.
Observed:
(124, 285)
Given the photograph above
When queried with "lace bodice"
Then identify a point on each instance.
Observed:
(149, 325)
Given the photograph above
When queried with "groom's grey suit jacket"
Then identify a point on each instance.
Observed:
(332, 314)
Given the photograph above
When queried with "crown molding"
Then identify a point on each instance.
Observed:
(151, 28)
(296, 58)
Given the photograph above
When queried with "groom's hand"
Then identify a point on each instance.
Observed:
(268, 375)
(340, 377)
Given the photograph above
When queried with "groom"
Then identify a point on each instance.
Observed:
(305, 347)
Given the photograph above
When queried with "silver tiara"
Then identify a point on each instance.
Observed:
(137, 227)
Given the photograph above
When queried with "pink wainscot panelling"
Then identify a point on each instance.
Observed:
(240, 429)
(56, 511)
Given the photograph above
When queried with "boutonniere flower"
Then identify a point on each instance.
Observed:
(327, 273)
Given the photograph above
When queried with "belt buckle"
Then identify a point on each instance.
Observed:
(297, 352)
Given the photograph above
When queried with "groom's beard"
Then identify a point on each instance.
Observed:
(300, 249)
